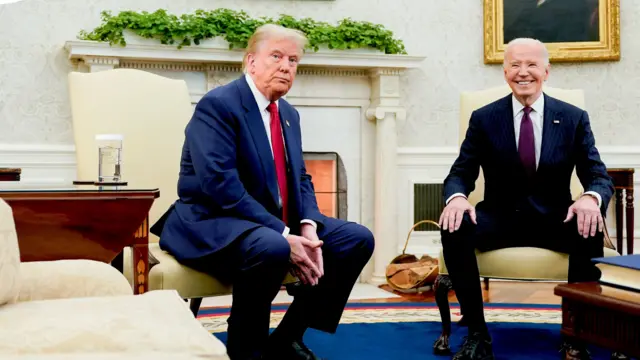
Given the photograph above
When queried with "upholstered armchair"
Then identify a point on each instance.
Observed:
(151, 112)
(524, 263)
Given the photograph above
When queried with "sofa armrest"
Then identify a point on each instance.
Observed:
(43, 280)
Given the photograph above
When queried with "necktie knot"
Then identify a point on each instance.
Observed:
(273, 108)
(527, 110)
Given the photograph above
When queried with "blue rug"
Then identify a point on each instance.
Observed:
(407, 331)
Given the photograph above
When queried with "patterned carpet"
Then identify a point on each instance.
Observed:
(214, 319)
(377, 331)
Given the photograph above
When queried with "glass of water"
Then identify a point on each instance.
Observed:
(109, 157)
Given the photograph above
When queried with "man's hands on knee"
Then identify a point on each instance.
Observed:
(589, 217)
(453, 213)
(303, 253)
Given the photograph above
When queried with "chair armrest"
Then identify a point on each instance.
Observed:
(44, 280)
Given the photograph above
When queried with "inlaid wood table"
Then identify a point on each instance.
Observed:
(602, 315)
(84, 222)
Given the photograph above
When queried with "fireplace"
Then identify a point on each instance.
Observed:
(349, 103)
(330, 182)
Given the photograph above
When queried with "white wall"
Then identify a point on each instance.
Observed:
(34, 105)
(35, 119)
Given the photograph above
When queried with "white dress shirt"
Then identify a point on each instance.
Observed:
(263, 105)
(536, 116)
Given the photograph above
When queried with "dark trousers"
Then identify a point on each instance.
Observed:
(518, 229)
(257, 263)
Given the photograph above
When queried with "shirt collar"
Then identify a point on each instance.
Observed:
(261, 100)
(537, 106)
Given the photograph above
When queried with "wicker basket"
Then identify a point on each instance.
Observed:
(408, 274)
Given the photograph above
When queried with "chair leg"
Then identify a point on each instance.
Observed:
(441, 286)
(486, 284)
(195, 305)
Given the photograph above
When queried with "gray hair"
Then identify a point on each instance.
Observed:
(271, 31)
(527, 41)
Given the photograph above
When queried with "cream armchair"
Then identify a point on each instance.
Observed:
(151, 112)
(524, 263)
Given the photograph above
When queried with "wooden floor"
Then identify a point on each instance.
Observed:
(499, 292)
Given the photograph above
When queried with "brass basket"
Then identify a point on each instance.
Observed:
(408, 274)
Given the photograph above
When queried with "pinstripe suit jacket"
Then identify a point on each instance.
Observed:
(567, 143)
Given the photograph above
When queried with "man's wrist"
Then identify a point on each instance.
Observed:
(595, 196)
(454, 196)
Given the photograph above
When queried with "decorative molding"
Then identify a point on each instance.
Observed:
(379, 113)
(332, 72)
(141, 65)
(386, 71)
(223, 67)
(99, 60)
(81, 49)
(42, 165)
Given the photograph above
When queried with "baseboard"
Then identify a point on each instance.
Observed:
(43, 165)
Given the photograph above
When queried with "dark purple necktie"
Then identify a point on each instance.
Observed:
(526, 143)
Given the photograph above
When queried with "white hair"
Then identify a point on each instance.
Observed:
(527, 41)
(271, 31)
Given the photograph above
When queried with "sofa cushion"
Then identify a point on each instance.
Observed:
(9, 256)
(158, 321)
(522, 263)
(59, 279)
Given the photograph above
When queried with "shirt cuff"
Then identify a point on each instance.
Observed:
(453, 196)
(285, 233)
(308, 221)
(596, 195)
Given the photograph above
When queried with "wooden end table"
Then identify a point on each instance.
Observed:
(601, 315)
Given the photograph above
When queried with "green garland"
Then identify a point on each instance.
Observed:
(236, 27)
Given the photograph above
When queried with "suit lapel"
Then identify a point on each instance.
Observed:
(504, 115)
(291, 146)
(550, 131)
(253, 118)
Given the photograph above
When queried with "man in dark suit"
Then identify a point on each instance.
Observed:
(527, 144)
(551, 21)
(247, 210)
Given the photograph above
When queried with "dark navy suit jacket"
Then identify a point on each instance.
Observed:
(227, 183)
(567, 143)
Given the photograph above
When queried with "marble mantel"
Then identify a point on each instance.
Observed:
(368, 80)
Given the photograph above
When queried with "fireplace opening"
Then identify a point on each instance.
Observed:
(330, 182)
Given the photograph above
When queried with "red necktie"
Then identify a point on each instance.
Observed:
(526, 143)
(277, 145)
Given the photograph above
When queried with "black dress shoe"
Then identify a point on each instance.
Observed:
(476, 347)
(295, 350)
(573, 351)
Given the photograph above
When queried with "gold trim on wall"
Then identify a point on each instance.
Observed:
(607, 49)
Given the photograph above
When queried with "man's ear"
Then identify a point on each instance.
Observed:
(251, 60)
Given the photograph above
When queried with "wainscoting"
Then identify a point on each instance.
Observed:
(430, 165)
(46, 165)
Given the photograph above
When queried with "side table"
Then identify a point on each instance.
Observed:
(623, 184)
(601, 315)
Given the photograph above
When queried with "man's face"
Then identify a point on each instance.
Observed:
(273, 67)
(525, 71)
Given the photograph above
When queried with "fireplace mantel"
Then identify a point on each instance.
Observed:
(366, 80)
(89, 51)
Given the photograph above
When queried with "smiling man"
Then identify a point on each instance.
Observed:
(528, 145)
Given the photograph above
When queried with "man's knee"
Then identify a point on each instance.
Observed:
(366, 240)
(466, 225)
(361, 240)
(271, 248)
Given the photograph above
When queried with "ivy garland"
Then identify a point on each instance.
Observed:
(236, 27)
